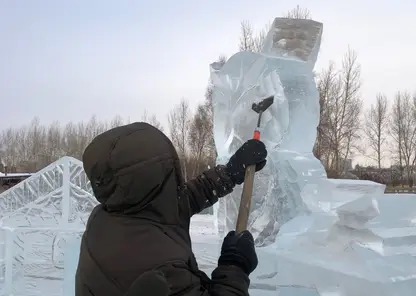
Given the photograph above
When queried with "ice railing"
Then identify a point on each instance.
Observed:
(38, 218)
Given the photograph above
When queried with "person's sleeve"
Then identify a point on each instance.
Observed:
(204, 191)
(229, 281)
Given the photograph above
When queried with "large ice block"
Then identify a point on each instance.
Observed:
(350, 245)
(37, 219)
(316, 255)
(299, 39)
(397, 224)
(71, 258)
(283, 69)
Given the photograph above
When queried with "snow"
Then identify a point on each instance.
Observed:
(43, 217)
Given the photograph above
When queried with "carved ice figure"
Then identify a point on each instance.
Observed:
(283, 69)
(330, 237)
(38, 217)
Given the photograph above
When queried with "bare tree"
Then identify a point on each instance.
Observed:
(152, 120)
(8, 144)
(375, 128)
(396, 128)
(85, 132)
(210, 145)
(328, 88)
(403, 130)
(32, 147)
(92, 128)
(408, 132)
(70, 140)
(116, 121)
(179, 122)
(344, 113)
(54, 142)
(200, 134)
(36, 144)
(298, 13)
(247, 42)
(22, 144)
(250, 40)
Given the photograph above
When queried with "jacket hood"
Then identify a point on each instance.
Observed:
(134, 169)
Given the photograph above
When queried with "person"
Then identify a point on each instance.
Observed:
(143, 219)
(149, 283)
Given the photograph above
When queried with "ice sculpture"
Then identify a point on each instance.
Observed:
(283, 69)
(356, 241)
(37, 219)
(347, 245)
(318, 236)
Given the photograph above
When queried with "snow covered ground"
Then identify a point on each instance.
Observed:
(41, 218)
(207, 245)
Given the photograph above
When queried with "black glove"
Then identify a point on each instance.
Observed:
(252, 152)
(151, 283)
(238, 250)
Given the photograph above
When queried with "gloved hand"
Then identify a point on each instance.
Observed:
(238, 250)
(251, 152)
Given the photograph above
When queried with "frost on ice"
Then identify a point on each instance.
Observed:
(38, 218)
(283, 69)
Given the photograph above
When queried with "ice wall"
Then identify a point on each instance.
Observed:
(38, 217)
(283, 69)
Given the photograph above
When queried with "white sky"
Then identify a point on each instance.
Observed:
(67, 60)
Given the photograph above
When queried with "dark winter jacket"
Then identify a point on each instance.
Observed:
(143, 220)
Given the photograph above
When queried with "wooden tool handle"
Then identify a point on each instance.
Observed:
(245, 203)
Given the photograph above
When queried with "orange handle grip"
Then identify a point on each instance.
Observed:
(256, 135)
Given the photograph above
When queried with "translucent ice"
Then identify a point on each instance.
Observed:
(317, 236)
(315, 254)
(283, 69)
(349, 246)
(37, 219)
(71, 257)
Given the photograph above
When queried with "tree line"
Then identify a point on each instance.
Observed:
(31, 147)
(345, 130)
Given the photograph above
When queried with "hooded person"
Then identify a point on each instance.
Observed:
(142, 221)
(150, 283)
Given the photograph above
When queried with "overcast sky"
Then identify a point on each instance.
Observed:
(66, 60)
